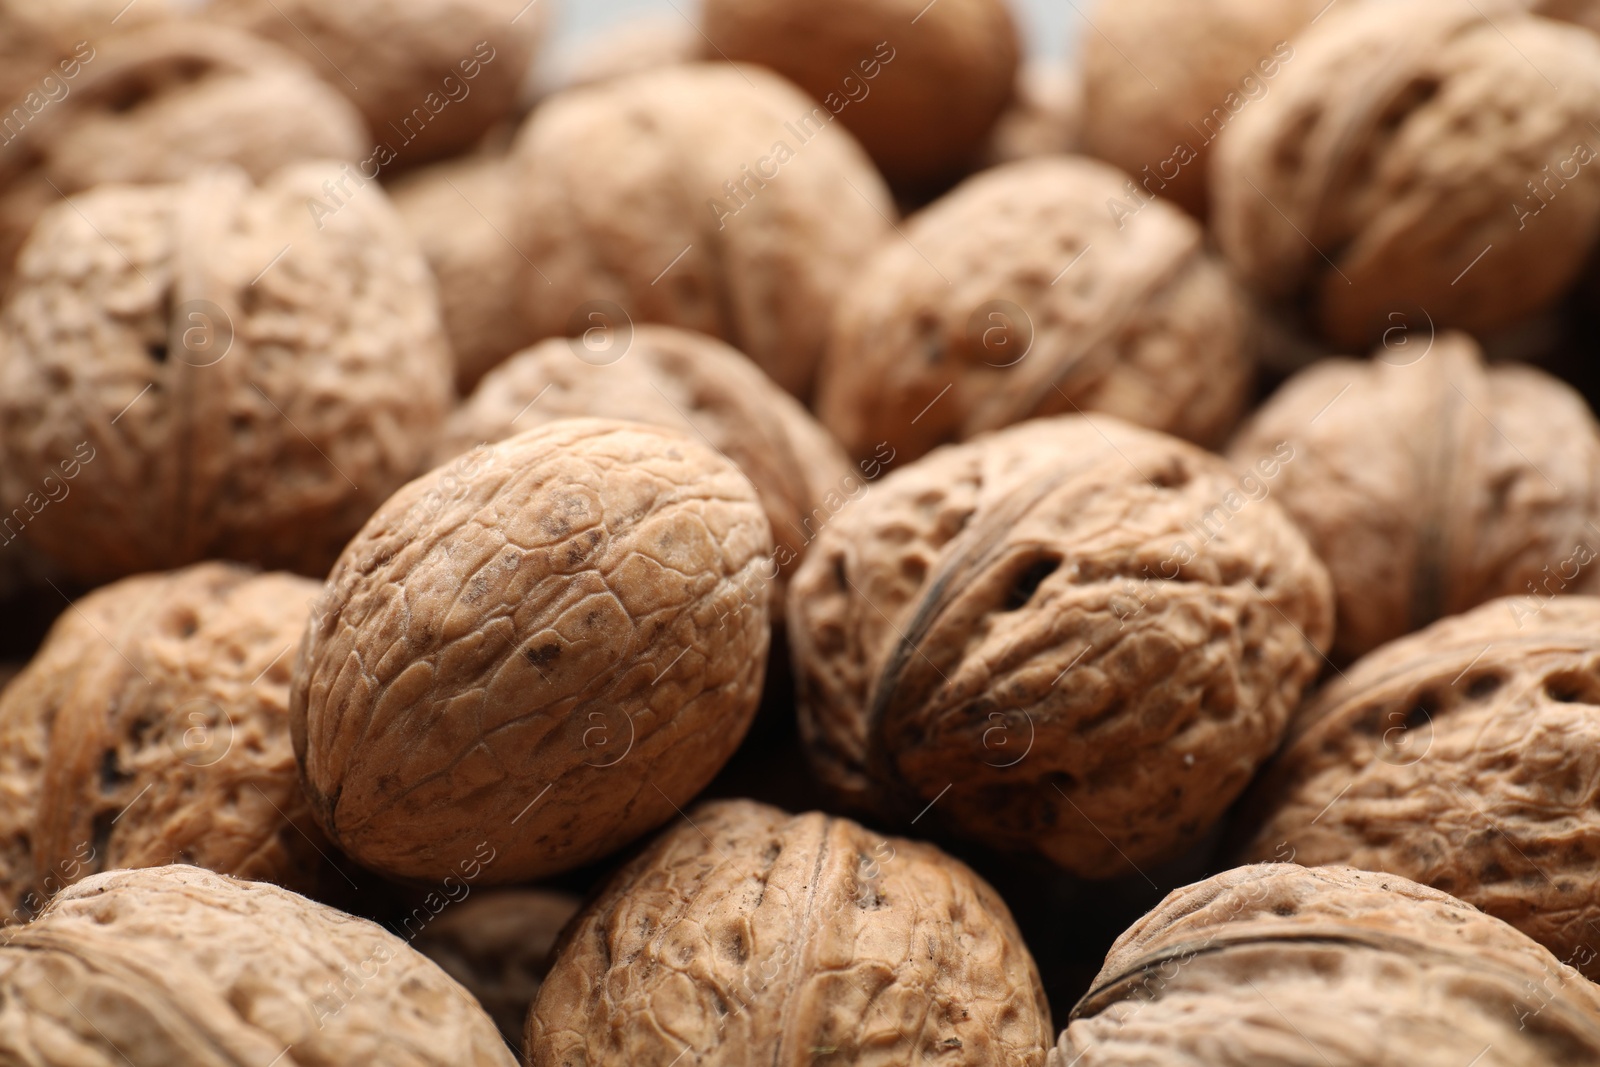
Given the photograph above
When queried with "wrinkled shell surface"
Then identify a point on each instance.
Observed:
(1328, 967)
(1464, 757)
(618, 180)
(1145, 326)
(990, 627)
(1399, 144)
(153, 728)
(237, 382)
(749, 935)
(936, 77)
(1045, 117)
(179, 966)
(543, 646)
(689, 382)
(1431, 484)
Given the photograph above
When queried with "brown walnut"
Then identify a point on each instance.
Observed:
(748, 935)
(1073, 638)
(35, 37)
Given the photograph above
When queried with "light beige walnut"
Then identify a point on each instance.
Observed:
(1045, 117)
(35, 38)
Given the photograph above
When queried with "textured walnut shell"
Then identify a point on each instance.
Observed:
(234, 381)
(984, 315)
(544, 646)
(921, 85)
(1396, 149)
(623, 197)
(1464, 757)
(1328, 967)
(690, 382)
(179, 966)
(1160, 75)
(638, 43)
(1429, 484)
(1063, 638)
(497, 944)
(749, 935)
(1045, 117)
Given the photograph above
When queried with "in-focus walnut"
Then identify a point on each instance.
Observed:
(497, 944)
(1430, 483)
(1079, 638)
(671, 377)
(1045, 117)
(228, 377)
(1389, 169)
(639, 43)
(180, 966)
(431, 76)
(714, 197)
(1163, 78)
(1466, 757)
(544, 646)
(750, 935)
(1328, 967)
(1018, 295)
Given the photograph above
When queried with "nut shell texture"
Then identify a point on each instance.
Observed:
(749, 935)
(1289, 966)
(988, 292)
(542, 647)
(1080, 636)
(183, 967)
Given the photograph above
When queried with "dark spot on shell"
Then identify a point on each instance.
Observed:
(542, 656)
(1027, 583)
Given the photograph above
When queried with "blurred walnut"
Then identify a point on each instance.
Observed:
(712, 197)
(749, 935)
(1080, 638)
(1328, 967)
(229, 374)
(1429, 483)
(1417, 155)
(36, 38)
(542, 647)
(1045, 117)
(179, 966)
(639, 43)
(1019, 294)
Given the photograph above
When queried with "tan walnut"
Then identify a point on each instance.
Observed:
(180, 966)
(1416, 158)
(749, 935)
(36, 38)
(1078, 637)
(1429, 483)
(713, 197)
(544, 647)
(1019, 295)
(236, 379)
(1328, 967)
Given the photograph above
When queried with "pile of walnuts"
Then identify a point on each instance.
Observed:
(799, 533)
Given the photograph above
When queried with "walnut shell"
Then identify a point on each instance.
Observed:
(230, 377)
(546, 646)
(1045, 117)
(1463, 757)
(749, 935)
(1328, 967)
(629, 201)
(920, 84)
(1397, 163)
(1074, 638)
(638, 43)
(179, 966)
(690, 382)
(985, 315)
(35, 37)
(1429, 484)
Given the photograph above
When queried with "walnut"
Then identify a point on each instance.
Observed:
(1019, 295)
(431, 76)
(749, 935)
(1073, 638)
(176, 965)
(670, 377)
(1163, 78)
(35, 38)
(1328, 967)
(1457, 179)
(544, 646)
(226, 376)
(1429, 483)
(1045, 117)
(714, 197)
(498, 945)
(638, 43)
